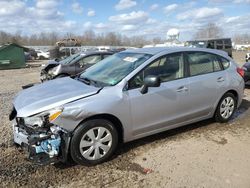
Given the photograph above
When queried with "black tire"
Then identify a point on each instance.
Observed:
(41, 58)
(81, 131)
(218, 116)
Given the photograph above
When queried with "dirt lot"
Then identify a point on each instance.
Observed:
(205, 154)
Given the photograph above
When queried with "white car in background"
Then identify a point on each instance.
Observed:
(42, 55)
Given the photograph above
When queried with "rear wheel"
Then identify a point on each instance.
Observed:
(94, 142)
(226, 108)
(42, 57)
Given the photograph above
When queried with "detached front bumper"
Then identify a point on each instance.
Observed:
(20, 136)
(42, 148)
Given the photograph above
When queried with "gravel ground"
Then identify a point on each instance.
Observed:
(204, 154)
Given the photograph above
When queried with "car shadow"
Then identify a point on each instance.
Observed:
(180, 130)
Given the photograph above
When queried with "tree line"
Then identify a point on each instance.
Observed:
(90, 38)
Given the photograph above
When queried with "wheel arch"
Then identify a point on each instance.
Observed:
(234, 92)
(117, 123)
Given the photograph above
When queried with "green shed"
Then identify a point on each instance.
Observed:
(12, 56)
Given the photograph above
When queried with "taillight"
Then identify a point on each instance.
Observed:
(240, 71)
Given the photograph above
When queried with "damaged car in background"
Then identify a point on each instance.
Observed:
(71, 65)
(127, 96)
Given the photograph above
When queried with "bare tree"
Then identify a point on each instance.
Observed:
(88, 38)
(242, 38)
(210, 30)
(157, 40)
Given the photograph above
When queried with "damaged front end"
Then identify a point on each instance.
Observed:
(45, 142)
(49, 72)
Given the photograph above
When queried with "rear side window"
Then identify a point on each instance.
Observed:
(225, 63)
(203, 63)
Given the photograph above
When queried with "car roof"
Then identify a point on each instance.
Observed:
(95, 52)
(157, 50)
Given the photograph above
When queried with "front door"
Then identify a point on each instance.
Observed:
(162, 106)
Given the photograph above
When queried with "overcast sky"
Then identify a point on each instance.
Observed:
(130, 17)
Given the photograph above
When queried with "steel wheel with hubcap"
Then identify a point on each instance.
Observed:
(226, 108)
(93, 142)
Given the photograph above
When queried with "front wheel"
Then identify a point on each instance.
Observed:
(226, 108)
(93, 142)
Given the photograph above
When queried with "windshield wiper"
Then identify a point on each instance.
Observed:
(84, 79)
(87, 81)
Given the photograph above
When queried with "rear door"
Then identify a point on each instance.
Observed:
(206, 77)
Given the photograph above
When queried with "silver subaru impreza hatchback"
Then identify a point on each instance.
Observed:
(129, 95)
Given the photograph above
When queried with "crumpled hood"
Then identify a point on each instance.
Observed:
(51, 94)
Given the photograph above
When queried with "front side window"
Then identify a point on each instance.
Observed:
(70, 59)
(203, 63)
(170, 67)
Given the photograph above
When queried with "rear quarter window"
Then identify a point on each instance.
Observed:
(225, 63)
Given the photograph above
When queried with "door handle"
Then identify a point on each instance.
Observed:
(182, 88)
(220, 79)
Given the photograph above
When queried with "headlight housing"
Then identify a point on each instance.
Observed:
(43, 118)
(34, 121)
(54, 70)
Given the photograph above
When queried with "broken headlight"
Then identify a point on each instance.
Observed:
(54, 70)
(34, 121)
(45, 117)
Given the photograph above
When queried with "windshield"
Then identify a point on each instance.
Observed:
(113, 69)
(69, 59)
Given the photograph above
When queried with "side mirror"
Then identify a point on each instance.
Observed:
(150, 81)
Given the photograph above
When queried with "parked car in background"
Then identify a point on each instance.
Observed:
(130, 95)
(224, 44)
(30, 54)
(71, 65)
(27, 56)
(68, 42)
(33, 53)
(42, 55)
(246, 68)
(247, 57)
